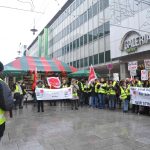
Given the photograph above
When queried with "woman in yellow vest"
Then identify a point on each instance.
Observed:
(2, 112)
(124, 96)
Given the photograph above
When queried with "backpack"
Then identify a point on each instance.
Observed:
(6, 98)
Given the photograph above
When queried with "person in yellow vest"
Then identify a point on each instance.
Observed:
(124, 96)
(102, 93)
(18, 95)
(2, 112)
(75, 88)
(112, 94)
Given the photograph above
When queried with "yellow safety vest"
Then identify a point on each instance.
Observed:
(2, 117)
(17, 89)
(96, 89)
(123, 94)
(102, 90)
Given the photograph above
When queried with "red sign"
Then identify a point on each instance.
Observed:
(109, 66)
(54, 82)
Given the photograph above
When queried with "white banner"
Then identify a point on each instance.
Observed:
(132, 65)
(53, 94)
(140, 96)
(144, 75)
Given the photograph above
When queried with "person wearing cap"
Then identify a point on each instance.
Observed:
(2, 112)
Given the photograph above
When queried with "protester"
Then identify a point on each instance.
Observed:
(40, 102)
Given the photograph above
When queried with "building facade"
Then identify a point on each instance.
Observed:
(79, 34)
(130, 33)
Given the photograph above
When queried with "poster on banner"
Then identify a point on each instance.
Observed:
(54, 82)
(133, 73)
(132, 65)
(140, 96)
(144, 75)
(116, 76)
(147, 64)
(53, 94)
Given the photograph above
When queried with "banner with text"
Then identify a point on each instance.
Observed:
(140, 96)
(53, 94)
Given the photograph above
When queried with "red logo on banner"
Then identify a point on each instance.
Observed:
(54, 82)
(92, 74)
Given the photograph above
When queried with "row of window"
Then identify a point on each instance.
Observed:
(91, 12)
(94, 60)
(67, 12)
(99, 32)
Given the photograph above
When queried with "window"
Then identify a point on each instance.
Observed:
(81, 41)
(90, 34)
(74, 64)
(105, 3)
(107, 56)
(90, 13)
(107, 28)
(70, 46)
(85, 16)
(95, 9)
(95, 33)
(74, 44)
(77, 43)
(100, 31)
(70, 63)
(95, 59)
(85, 39)
(78, 64)
(81, 63)
(91, 60)
(101, 57)
(86, 62)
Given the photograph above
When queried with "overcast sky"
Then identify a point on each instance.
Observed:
(15, 25)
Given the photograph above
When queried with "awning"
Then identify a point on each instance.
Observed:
(28, 63)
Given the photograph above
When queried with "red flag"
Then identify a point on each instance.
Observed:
(34, 79)
(92, 74)
(54, 82)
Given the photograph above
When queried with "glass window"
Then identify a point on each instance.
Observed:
(95, 33)
(101, 57)
(91, 60)
(78, 64)
(107, 56)
(90, 13)
(86, 62)
(95, 59)
(77, 43)
(74, 64)
(90, 35)
(70, 46)
(95, 9)
(85, 16)
(81, 63)
(81, 19)
(85, 39)
(70, 63)
(74, 44)
(105, 3)
(100, 31)
(81, 41)
(107, 28)
(77, 22)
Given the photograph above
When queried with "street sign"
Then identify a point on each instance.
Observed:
(109, 66)
(132, 65)
(147, 64)
(144, 75)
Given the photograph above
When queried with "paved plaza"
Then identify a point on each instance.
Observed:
(60, 128)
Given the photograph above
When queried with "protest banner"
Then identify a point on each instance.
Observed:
(140, 96)
(53, 94)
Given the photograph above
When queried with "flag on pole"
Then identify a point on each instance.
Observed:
(34, 79)
(92, 74)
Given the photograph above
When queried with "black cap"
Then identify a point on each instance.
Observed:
(1, 66)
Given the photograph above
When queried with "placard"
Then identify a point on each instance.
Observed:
(144, 75)
(133, 73)
(132, 65)
(147, 64)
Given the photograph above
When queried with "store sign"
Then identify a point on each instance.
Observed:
(144, 75)
(132, 40)
(147, 64)
(132, 65)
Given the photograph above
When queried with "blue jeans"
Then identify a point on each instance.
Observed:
(125, 105)
(112, 100)
(101, 98)
(93, 101)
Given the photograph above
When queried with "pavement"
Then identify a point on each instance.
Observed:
(60, 128)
